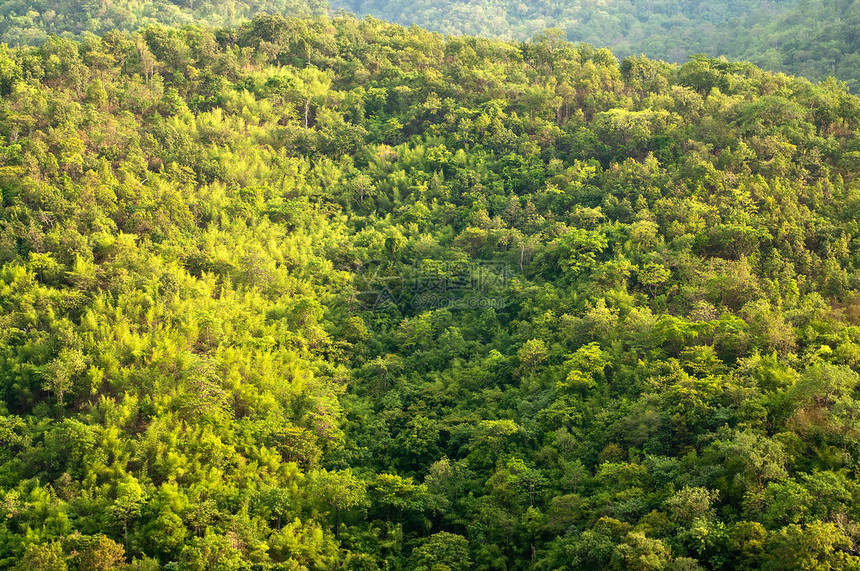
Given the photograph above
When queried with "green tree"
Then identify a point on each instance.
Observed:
(44, 557)
(340, 490)
(442, 550)
(126, 508)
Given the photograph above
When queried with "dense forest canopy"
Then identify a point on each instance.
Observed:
(338, 294)
(30, 22)
(812, 38)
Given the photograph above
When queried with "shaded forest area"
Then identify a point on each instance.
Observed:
(337, 294)
(812, 38)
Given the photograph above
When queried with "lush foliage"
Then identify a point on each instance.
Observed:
(32, 21)
(315, 294)
(813, 38)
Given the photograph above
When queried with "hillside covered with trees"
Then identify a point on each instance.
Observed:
(338, 294)
(30, 22)
(812, 38)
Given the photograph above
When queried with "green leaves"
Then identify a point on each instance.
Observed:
(129, 502)
(333, 293)
(579, 250)
(340, 491)
(586, 369)
(442, 550)
(61, 372)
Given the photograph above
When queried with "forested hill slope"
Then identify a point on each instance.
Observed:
(30, 22)
(813, 38)
(338, 294)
